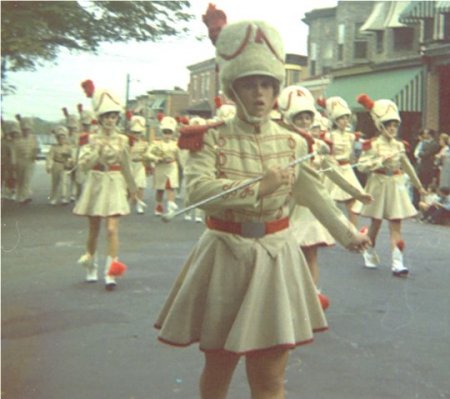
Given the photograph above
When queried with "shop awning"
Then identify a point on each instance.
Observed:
(377, 17)
(159, 103)
(403, 86)
(443, 7)
(417, 10)
(393, 17)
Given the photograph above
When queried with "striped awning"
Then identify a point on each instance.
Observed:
(418, 10)
(403, 86)
(443, 7)
(377, 17)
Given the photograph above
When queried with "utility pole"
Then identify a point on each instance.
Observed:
(127, 91)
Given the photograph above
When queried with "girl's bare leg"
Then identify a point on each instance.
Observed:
(94, 229)
(112, 228)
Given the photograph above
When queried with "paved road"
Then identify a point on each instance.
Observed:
(65, 339)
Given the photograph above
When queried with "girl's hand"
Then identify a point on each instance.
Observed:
(273, 179)
(360, 243)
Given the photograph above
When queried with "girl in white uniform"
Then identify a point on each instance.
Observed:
(241, 291)
(296, 104)
(138, 150)
(385, 161)
(343, 143)
(108, 182)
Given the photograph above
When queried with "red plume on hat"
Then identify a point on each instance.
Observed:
(88, 87)
(365, 101)
(177, 118)
(184, 120)
(80, 108)
(129, 114)
(218, 101)
(322, 102)
(65, 112)
(215, 20)
(159, 116)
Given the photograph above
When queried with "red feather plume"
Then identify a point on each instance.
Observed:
(218, 101)
(184, 120)
(215, 20)
(322, 102)
(128, 115)
(159, 116)
(365, 101)
(88, 87)
(177, 118)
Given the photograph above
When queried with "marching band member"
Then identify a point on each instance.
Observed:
(104, 195)
(11, 130)
(241, 291)
(59, 160)
(164, 153)
(138, 150)
(385, 160)
(25, 150)
(342, 149)
(195, 214)
(73, 137)
(297, 106)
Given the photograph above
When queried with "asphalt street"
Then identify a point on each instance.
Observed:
(62, 338)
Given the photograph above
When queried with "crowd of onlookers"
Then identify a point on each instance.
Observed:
(432, 161)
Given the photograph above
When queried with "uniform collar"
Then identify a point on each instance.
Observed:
(263, 128)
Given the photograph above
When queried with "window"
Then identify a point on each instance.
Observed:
(427, 33)
(312, 71)
(403, 38)
(447, 27)
(360, 49)
(340, 52)
(379, 41)
(326, 70)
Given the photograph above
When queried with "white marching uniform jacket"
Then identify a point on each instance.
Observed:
(107, 160)
(220, 299)
(165, 156)
(137, 154)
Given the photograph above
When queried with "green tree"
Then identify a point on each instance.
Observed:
(33, 32)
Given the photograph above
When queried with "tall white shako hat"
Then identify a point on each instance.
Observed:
(103, 100)
(25, 123)
(137, 124)
(380, 110)
(10, 127)
(168, 123)
(335, 107)
(293, 100)
(60, 131)
(244, 48)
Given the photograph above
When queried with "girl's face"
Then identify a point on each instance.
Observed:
(109, 120)
(303, 120)
(167, 135)
(342, 122)
(391, 129)
(256, 94)
(61, 139)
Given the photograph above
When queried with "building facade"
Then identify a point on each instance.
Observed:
(377, 48)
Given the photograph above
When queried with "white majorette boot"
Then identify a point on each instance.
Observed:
(398, 268)
(139, 207)
(371, 259)
(90, 263)
(110, 280)
(172, 206)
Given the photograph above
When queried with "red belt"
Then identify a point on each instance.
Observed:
(388, 172)
(343, 162)
(106, 168)
(248, 229)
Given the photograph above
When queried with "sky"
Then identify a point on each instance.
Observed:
(151, 66)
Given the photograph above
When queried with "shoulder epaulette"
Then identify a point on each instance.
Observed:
(191, 137)
(407, 145)
(83, 139)
(309, 139)
(366, 144)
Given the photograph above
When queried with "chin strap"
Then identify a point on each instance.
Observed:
(254, 120)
